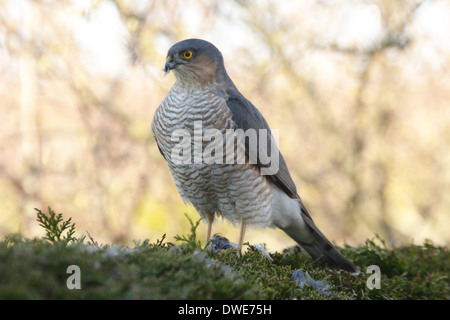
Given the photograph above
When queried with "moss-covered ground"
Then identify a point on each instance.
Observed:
(38, 269)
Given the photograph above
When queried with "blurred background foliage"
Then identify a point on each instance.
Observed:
(360, 91)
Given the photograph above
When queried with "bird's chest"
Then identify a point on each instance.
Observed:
(193, 133)
(190, 128)
(187, 122)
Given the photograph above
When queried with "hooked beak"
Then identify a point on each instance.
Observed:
(170, 64)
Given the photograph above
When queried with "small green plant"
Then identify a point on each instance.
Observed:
(55, 226)
(191, 238)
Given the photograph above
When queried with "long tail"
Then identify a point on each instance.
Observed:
(310, 238)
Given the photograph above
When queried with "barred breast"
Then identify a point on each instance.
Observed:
(235, 191)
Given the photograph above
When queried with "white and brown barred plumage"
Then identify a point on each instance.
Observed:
(235, 191)
(204, 93)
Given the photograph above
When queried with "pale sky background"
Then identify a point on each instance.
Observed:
(354, 23)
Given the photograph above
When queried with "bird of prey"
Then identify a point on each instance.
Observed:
(204, 99)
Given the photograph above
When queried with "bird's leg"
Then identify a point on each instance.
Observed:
(242, 234)
(210, 217)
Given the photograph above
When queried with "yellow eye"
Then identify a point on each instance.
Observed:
(188, 54)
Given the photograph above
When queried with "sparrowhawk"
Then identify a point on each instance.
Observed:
(204, 99)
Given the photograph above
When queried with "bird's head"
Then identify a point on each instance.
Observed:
(195, 61)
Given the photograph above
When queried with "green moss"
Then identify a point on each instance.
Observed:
(37, 269)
